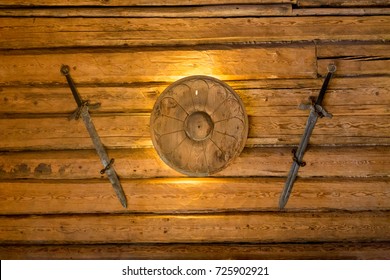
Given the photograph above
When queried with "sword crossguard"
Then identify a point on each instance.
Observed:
(76, 114)
(307, 106)
(321, 112)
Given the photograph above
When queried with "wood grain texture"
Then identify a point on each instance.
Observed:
(137, 2)
(250, 10)
(338, 3)
(353, 51)
(54, 203)
(338, 130)
(352, 60)
(182, 195)
(344, 161)
(253, 227)
(132, 131)
(362, 11)
(22, 33)
(282, 251)
(345, 96)
(136, 65)
(156, 12)
(60, 133)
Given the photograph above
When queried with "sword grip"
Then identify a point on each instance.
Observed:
(65, 70)
(331, 70)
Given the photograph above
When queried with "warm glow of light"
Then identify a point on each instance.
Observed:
(189, 181)
(195, 62)
(196, 73)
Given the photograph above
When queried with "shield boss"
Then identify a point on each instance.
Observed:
(198, 125)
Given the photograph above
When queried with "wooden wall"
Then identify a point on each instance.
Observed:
(55, 204)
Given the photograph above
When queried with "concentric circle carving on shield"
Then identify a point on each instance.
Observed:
(199, 125)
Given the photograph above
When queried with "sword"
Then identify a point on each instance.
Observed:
(83, 111)
(316, 111)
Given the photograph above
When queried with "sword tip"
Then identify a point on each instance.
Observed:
(124, 203)
(282, 203)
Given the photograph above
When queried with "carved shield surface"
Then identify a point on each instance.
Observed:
(198, 125)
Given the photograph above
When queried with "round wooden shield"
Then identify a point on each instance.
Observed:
(198, 125)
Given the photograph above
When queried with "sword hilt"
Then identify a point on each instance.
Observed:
(331, 69)
(65, 70)
(316, 104)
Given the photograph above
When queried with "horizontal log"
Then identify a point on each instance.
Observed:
(192, 195)
(60, 133)
(356, 11)
(338, 130)
(156, 12)
(355, 60)
(251, 10)
(26, 33)
(289, 251)
(337, 3)
(168, 65)
(360, 161)
(345, 96)
(254, 227)
(116, 3)
(336, 83)
(129, 131)
(353, 51)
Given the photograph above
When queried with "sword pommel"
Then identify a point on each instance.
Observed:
(65, 70)
(332, 68)
(81, 104)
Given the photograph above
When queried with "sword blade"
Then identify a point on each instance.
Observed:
(111, 174)
(310, 124)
